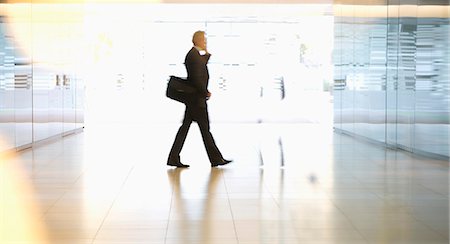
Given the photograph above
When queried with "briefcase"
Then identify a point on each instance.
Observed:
(179, 89)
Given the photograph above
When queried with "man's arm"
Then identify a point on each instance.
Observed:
(197, 74)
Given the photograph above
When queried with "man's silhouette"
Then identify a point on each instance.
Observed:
(196, 108)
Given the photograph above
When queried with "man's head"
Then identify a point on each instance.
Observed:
(199, 39)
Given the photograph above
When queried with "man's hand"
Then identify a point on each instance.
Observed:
(208, 95)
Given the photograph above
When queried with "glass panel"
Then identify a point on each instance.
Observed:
(40, 102)
(347, 67)
(376, 80)
(361, 52)
(406, 75)
(409, 77)
(69, 41)
(363, 100)
(79, 100)
(47, 72)
(55, 74)
(392, 72)
(7, 123)
(55, 105)
(43, 81)
(23, 76)
(69, 103)
(339, 78)
(31, 94)
(432, 83)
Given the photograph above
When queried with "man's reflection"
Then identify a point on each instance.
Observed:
(186, 230)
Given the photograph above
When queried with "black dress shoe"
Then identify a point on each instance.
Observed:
(178, 164)
(221, 162)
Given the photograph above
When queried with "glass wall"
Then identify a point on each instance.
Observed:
(391, 73)
(268, 65)
(41, 89)
(15, 78)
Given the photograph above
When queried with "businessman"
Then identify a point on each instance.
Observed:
(196, 108)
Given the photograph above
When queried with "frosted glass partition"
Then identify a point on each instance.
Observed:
(432, 90)
(7, 140)
(391, 73)
(15, 80)
(38, 88)
(23, 103)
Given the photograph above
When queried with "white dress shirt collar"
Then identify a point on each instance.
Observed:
(200, 50)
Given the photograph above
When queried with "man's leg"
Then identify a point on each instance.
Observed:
(202, 119)
(180, 138)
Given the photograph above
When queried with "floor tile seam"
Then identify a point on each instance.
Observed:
(402, 195)
(372, 191)
(83, 172)
(350, 221)
(410, 212)
(289, 219)
(40, 168)
(55, 202)
(328, 199)
(112, 204)
(368, 189)
(438, 193)
(414, 216)
(65, 192)
(170, 212)
(229, 205)
(55, 157)
(48, 162)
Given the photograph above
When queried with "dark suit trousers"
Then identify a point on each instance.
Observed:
(200, 115)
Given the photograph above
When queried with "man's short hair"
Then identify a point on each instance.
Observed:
(197, 35)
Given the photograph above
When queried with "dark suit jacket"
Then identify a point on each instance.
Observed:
(198, 75)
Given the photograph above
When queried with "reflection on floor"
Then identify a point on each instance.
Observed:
(110, 184)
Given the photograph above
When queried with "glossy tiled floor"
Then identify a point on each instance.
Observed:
(287, 184)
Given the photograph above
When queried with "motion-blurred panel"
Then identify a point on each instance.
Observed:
(393, 26)
(339, 81)
(79, 102)
(432, 83)
(69, 87)
(23, 103)
(43, 80)
(40, 103)
(348, 71)
(361, 51)
(399, 73)
(70, 38)
(376, 76)
(55, 102)
(406, 74)
(23, 77)
(7, 123)
(47, 75)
